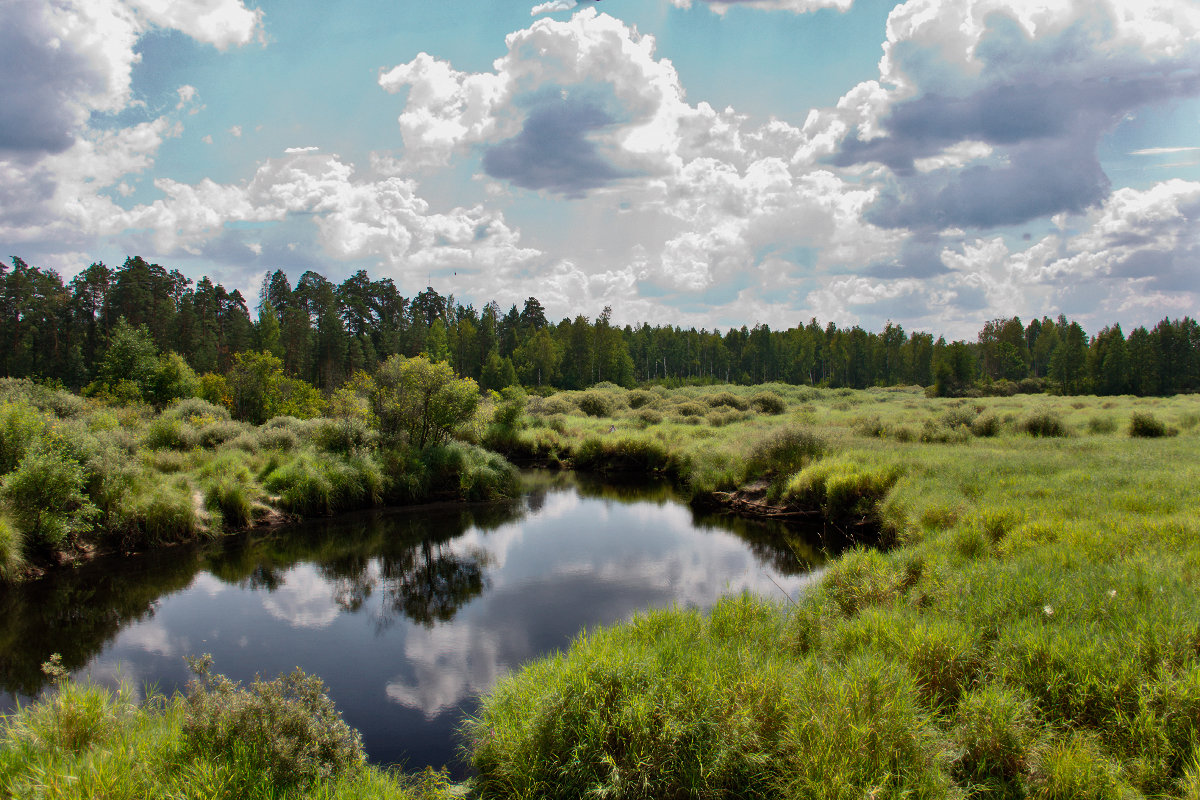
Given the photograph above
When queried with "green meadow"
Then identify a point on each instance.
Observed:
(1020, 619)
(1031, 630)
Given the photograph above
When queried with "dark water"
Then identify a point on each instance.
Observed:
(408, 615)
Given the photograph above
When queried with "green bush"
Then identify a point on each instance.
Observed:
(215, 434)
(229, 489)
(842, 489)
(170, 433)
(1101, 425)
(690, 409)
(155, 513)
(422, 400)
(634, 454)
(1147, 426)
(197, 411)
(768, 402)
(985, 425)
(648, 416)
(639, 398)
(784, 452)
(312, 484)
(45, 498)
(597, 403)
(20, 427)
(12, 550)
(344, 435)
(288, 728)
(727, 400)
(1044, 423)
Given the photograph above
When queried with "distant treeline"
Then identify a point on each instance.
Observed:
(325, 332)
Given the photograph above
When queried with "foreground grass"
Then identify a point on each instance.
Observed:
(85, 741)
(1035, 633)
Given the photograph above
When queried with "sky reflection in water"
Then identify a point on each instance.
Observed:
(407, 615)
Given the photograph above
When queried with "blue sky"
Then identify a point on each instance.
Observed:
(936, 163)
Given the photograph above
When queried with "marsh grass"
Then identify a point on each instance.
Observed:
(1036, 634)
(82, 741)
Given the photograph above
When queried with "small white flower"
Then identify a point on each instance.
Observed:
(1049, 611)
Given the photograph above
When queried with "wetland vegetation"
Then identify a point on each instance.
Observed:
(1030, 629)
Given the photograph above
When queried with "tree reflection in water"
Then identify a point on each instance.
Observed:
(412, 560)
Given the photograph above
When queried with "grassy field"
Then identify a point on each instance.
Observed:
(1034, 632)
(1033, 629)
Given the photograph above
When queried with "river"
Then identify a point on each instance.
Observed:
(407, 614)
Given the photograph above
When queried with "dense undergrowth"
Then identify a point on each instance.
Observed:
(79, 474)
(1035, 632)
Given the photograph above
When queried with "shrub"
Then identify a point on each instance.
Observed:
(728, 400)
(871, 427)
(1044, 423)
(690, 409)
(20, 427)
(470, 472)
(549, 406)
(314, 484)
(421, 399)
(287, 728)
(785, 452)
(12, 550)
(1147, 426)
(648, 416)
(717, 418)
(638, 454)
(157, 514)
(1101, 425)
(170, 433)
(218, 433)
(345, 435)
(958, 415)
(196, 410)
(230, 491)
(767, 402)
(640, 397)
(596, 404)
(985, 425)
(45, 498)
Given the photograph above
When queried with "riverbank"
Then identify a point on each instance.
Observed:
(83, 478)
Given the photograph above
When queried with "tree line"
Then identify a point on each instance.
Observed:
(320, 334)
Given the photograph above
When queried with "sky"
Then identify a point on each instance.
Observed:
(707, 163)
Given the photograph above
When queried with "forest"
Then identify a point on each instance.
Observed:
(323, 333)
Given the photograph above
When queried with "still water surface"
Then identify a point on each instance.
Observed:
(408, 615)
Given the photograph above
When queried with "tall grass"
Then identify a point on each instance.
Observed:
(1034, 634)
(275, 739)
